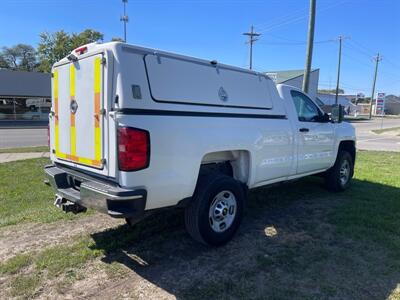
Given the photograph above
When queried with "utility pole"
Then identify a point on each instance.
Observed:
(252, 38)
(340, 38)
(310, 44)
(377, 59)
(124, 18)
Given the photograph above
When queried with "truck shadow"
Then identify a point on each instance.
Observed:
(296, 241)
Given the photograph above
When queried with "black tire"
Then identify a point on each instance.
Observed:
(131, 222)
(333, 179)
(197, 218)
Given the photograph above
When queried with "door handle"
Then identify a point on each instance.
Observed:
(304, 130)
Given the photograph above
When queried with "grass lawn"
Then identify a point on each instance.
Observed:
(23, 195)
(25, 149)
(373, 214)
(297, 241)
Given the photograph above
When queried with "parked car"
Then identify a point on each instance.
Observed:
(41, 115)
(144, 129)
(35, 103)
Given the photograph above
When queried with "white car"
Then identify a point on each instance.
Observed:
(35, 103)
(35, 115)
(134, 129)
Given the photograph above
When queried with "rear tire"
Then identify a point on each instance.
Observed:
(215, 212)
(131, 222)
(338, 178)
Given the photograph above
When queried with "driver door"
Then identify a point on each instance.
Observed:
(315, 135)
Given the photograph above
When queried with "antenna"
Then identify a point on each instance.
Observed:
(125, 18)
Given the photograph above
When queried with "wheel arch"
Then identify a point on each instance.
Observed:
(234, 163)
(349, 146)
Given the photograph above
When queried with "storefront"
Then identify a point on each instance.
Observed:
(24, 96)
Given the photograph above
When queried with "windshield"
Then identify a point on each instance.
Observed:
(319, 102)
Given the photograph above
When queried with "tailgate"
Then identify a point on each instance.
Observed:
(78, 107)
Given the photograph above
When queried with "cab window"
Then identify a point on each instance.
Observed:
(307, 110)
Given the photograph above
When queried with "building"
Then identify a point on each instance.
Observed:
(392, 105)
(295, 78)
(345, 100)
(329, 99)
(24, 96)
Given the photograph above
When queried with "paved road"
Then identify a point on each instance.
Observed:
(367, 140)
(27, 137)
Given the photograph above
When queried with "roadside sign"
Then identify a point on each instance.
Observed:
(380, 104)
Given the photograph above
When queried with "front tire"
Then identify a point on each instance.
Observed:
(338, 178)
(216, 209)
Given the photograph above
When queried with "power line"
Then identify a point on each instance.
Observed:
(366, 49)
(285, 39)
(392, 75)
(392, 63)
(357, 60)
(281, 18)
(355, 48)
(293, 43)
(252, 38)
(291, 20)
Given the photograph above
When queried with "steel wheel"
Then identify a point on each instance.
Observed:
(222, 211)
(344, 172)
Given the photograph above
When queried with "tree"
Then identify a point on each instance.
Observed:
(332, 91)
(19, 57)
(55, 46)
(3, 63)
(85, 37)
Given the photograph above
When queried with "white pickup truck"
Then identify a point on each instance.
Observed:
(134, 129)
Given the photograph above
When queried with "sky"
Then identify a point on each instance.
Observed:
(213, 30)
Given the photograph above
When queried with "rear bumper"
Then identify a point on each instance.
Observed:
(100, 195)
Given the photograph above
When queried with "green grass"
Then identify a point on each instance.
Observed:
(59, 259)
(23, 195)
(379, 131)
(25, 149)
(373, 213)
(327, 245)
(24, 285)
(15, 264)
(49, 263)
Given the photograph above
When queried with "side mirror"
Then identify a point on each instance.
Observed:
(337, 113)
(325, 118)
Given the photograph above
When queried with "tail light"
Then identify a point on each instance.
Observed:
(81, 50)
(133, 149)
